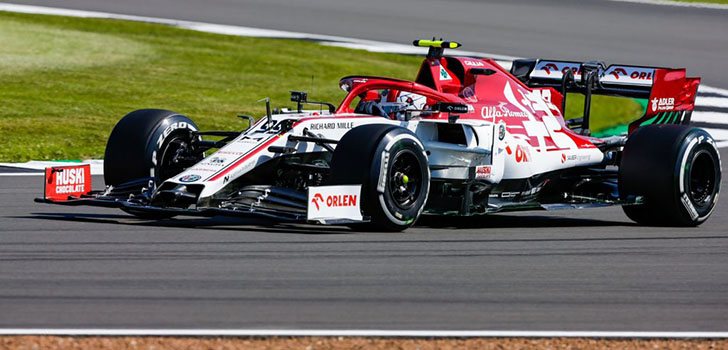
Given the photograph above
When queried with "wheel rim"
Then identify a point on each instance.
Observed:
(175, 158)
(702, 179)
(405, 179)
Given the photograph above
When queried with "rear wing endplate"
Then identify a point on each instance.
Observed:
(670, 93)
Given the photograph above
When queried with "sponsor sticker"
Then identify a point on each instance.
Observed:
(501, 111)
(334, 203)
(689, 206)
(468, 94)
(444, 75)
(628, 75)
(612, 75)
(190, 178)
(483, 172)
(530, 192)
(501, 132)
(234, 153)
(67, 181)
(522, 155)
(331, 125)
(203, 169)
(214, 162)
(574, 158)
(172, 127)
(662, 104)
(474, 63)
(556, 70)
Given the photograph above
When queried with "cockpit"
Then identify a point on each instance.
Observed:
(392, 104)
(391, 98)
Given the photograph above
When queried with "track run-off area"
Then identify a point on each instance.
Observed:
(570, 273)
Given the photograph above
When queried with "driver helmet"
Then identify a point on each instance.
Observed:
(405, 101)
(411, 100)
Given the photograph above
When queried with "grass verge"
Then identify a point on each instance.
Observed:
(65, 82)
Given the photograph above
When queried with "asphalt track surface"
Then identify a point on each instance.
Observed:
(588, 270)
(614, 32)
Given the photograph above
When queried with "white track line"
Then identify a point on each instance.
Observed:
(720, 135)
(709, 117)
(355, 333)
(97, 166)
(721, 102)
(701, 5)
(21, 174)
(710, 89)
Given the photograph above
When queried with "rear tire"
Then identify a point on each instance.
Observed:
(390, 164)
(676, 168)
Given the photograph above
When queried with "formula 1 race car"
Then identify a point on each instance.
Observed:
(467, 137)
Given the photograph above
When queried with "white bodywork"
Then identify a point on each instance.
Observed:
(486, 154)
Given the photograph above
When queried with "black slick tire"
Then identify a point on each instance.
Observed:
(391, 165)
(138, 141)
(141, 145)
(677, 171)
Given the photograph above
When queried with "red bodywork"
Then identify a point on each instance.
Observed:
(672, 91)
(531, 114)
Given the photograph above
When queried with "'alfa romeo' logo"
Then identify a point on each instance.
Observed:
(189, 178)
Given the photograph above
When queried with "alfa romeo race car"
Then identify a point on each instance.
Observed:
(466, 137)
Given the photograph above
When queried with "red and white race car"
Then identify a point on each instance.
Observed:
(466, 137)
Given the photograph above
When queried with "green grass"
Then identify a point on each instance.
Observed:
(606, 112)
(65, 82)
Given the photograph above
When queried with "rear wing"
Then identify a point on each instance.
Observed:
(670, 93)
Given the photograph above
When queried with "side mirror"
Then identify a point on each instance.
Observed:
(452, 109)
(299, 96)
(457, 108)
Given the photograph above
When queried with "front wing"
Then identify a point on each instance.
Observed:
(71, 186)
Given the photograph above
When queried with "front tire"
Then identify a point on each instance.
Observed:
(149, 144)
(144, 143)
(391, 165)
(676, 169)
